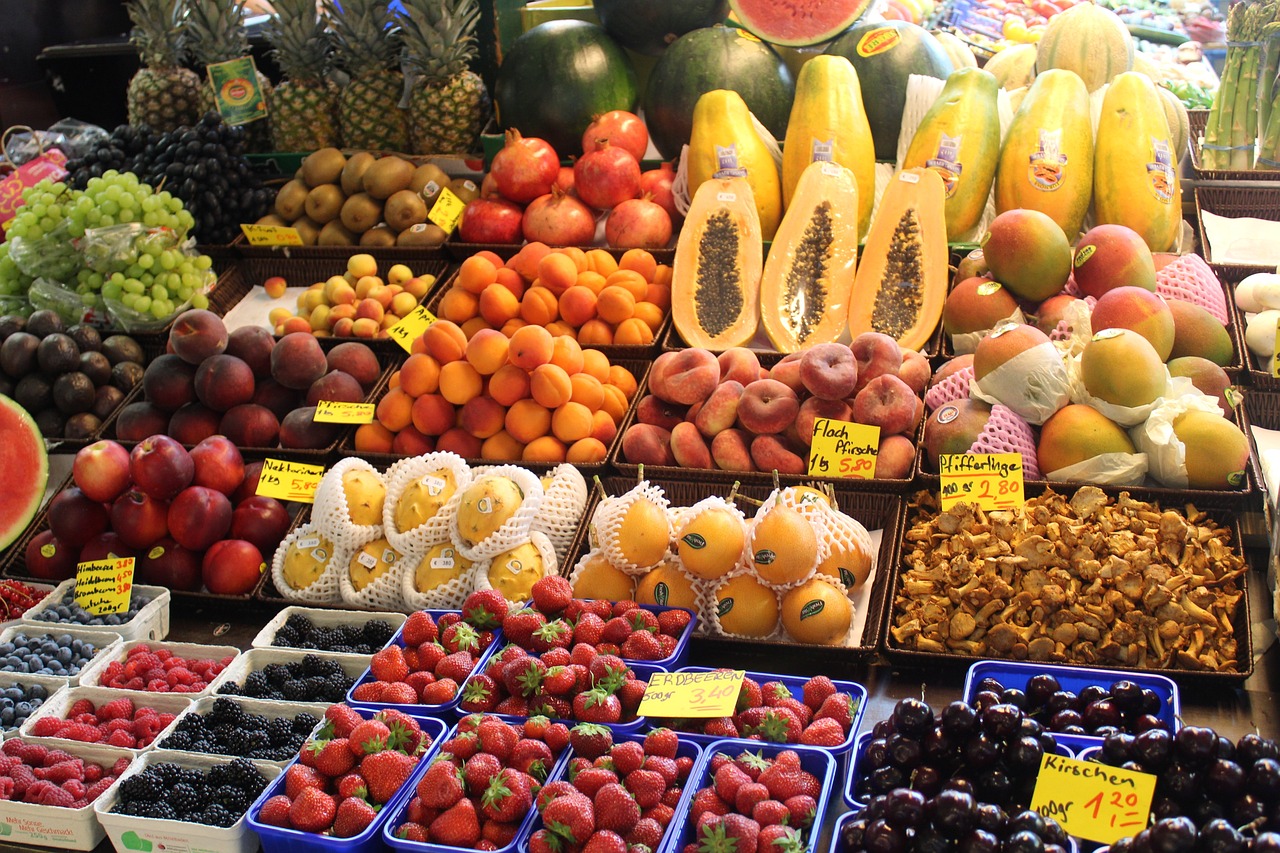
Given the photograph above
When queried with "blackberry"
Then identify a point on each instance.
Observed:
(296, 690)
(276, 672)
(316, 665)
(162, 810)
(375, 634)
(279, 731)
(257, 684)
(304, 723)
(216, 814)
(225, 711)
(178, 740)
(145, 787)
(187, 799)
(233, 798)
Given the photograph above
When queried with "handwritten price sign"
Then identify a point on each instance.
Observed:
(990, 480)
(843, 449)
(341, 412)
(271, 235)
(105, 586)
(1093, 801)
(289, 481)
(447, 210)
(691, 694)
(411, 327)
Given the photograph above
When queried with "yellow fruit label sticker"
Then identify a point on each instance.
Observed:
(271, 235)
(411, 327)
(1085, 253)
(1048, 163)
(105, 586)
(1275, 353)
(342, 412)
(691, 694)
(989, 480)
(48, 549)
(1093, 801)
(446, 211)
(289, 481)
(877, 41)
(843, 449)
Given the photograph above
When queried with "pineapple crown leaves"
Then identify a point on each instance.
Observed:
(215, 30)
(157, 31)
(301, 41)
(367, 40)
(439, 36)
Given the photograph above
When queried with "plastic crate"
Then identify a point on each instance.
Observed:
(256, 659)
(151, 622)
(58, 706)
(417, 710)
(1074, 678)
(52, 826)
(191, 651)
(277, 839)
(129, 833)
(323, 618)
(819, 762)
(11, 679)
(106, 643)
(266, 707)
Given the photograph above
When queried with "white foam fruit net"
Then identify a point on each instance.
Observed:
(609, 516)
(1006, 432)
(1190, 279)
(325, 589)
(449, 595)
(330, 513)
(811, 510)
(425, 469)
(384, 592)
(563, 501)
(499, 563)
(711, 613)
(846, 535)
(511, 532)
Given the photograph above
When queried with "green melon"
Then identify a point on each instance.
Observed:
(795, 23)
(25, 464)
(885, 54)
(648, 26)
(1089, 40)
(558, 77)
(711, 58)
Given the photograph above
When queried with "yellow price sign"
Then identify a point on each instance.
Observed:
(989, 480)
(289, 481)
(1093, 801)
(691, 694)
(271, 235)
(1275, 353)
(843, 449)
(447, 210)
(342, 412)
(411, 327)
(105, 586)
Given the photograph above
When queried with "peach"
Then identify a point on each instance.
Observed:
(975, 305)
(1138, 309)
(530, 347)
(193, 423)
(548, 449)
(459, 382)
(689, 447)
(509, 384)
(586, 451)
(786, 371)
(445, 341)
(461, 442)
(894, 458)
(299, 431)
(297, 361)
(253, 345)
(198, 334)
(952, 365)
(274, 396)
(829, 371)
(685, 376)
(335, 385)
(138, 420)
(223, 381)
(876, 355)
(767, 406)
(731, 450)
(487, 351)
(720, 411)
(482, 417)
(501, 446)
(646, 444)
(658, 412)
(770, 453)
(814, 408)
(603, 428)
(915, 370)
(527, 420)
(739, 364)
(886, 402)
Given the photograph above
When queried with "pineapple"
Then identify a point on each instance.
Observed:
(216, 33)
(369, 112)
(305, 103)
(163, 94)
(449, 106)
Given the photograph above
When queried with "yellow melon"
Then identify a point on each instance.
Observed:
(644, 533)
(598, 578)
(668, 586)
(747, 607)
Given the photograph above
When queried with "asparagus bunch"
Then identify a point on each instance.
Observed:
(1232, 129)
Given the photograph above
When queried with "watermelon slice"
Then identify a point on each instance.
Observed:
(797, 23)
(25, 464)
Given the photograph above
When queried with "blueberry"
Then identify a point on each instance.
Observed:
(13, 694)
(113, 619)
(38, 691)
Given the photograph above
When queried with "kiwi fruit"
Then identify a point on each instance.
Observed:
(426, 235)
(360, 213)
(333, 234)
(291, 199)
(324, 203)
(403, 209)
(353, 172)
(308, 229)
(465, 189)
(387, 176)
(273, 220)
(323, 166)
(378, 237)
(426, 175)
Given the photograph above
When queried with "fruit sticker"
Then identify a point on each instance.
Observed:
(724, 607)
(824, 151)
(1048, 163)
(946, 162)
(444, 561)
(727, 162)
(1084, 255)
(47, 550)
(811, 608)
(662, 593)
(765, 556)
(987, 288)
(1160, 170)
(447, 211)
(878, 41)
(695, 541)
(515, 566)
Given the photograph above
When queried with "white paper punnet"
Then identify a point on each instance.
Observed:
(1166, 455)
(1190, 279)
(403, 474)
(710, 613)
(812, 513)
(330, 513)
(1033, 383)
(546, 551)
(516, 528)
(1110, 469)
(964, 343)
(1006, 432)
(327, 588)
(383, 593)
(563, 503)
(449, 595)
(608, 522)
(952, 388)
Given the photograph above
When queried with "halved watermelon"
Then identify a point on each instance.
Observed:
(25, 464)
(796, 23)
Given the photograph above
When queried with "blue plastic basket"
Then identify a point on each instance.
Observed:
(819, 762)
(417, 710)
(276, 839)
(393, 820)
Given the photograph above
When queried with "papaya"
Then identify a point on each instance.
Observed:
(959, 138)
(1135, 166)
(828, 122)
(715, 277)
(804, 292)
(901, 281)
(1047, 160)
(725, 143)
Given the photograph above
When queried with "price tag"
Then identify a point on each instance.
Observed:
(105, 586)
(411, 327)
(289, 481)
(446, 211)
(691, 694)
(1093, 801)
(990, 480)
(341, 412)
(271, 235)
(843, 449)
(236, 91)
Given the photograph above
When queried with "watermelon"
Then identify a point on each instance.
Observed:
(648, 26)
(558, 77)
(716, 57)
(26, 470)
(885, 54)
(798, 24)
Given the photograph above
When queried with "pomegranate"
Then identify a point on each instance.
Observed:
(489, 187)
(656, 183)
(525, 168)
(620, 128)
(559, 220)
(607, 176)
(638, 223)
(490, 220)
(564, 181)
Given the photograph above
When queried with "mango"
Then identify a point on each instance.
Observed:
(1122, 368)
(1206, 376)
(1111, 256)
(954, 428)
(1139, 310)
(1197, 332)
(1028, 253)
(1217, 451)
(1005, 342)
(975, 305)
(1077, 432)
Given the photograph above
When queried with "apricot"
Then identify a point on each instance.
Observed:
(509, 384)
(509, 328)
(649, 314)
(344, 312)
(548, 448)
(364, 327)
(459, 382)
(395, 410)
(526, 420)
(633, 332)
(566, 354)
(420, 374)
(344, 327)
(615, 304)
(530, 346)
(595, 333)
(592, 281)
(482, 417)
(525, 261)
(511, 280)
(295, 324)
(445, 341)
(557, 272)
(622, 379)
(539, 306)
(595, 363)
(578, 256)
(475, 324)
(432, 414)
(410, 442)
(586, 451)
(458, 305)
(603, 428)
(587, 390)
(498, 305)
(578, 305)
(501, 447)
(459, 441)
(600, 261)
(640, 261)
(487, 351)
(476, 273)
(562, 329)
(403, 303)
(374, 438)
(615, 403)
(631, 281)
(550, 385)
(662, 275)
(660, 295)
(571, 422)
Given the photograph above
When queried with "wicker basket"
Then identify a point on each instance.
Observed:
(1197, 119)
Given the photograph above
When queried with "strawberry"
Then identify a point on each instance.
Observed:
(648, 832)
(334, 757)
(816, 690)
(774, 692)
(684, 766)
(673, 622)
(743, 831)
(747, 797)
(582, 654)
(479, 771)
(458, 826)
(457, 666)
(442, 785)
(795, 706)
(385, 772)
(664, 767)
(520, 625)
(419, 628)
(485, 608)
(572, 817)
(720, 727)
(647, 786)
(777, 725)
(523, 677)
(779, 839)
(514, 706)
(785, 782)
(351, 785)
(749, 695)
(591, 779)
(840, 707)
(597, 706)
(412, 832)
(499, 833)
(824, 732)
(557, 737)
(642, 620)
(802, 809)
(497, 737)
(672, 796)
(627, 756)
(667, 644)
(353, 817)
(559, 656)
(615, 630)
(300, 776)
(370, 691)
(630, 695)
(556, 634)
(551, 790)
(607, 670)
(641, 645)
(752, 763)
(370, 736)
(479, 693)
(461, 746)
(275, 811)
(728, 779)
(588, 629)
(533, 757)
(535, 728)
(312, 810)
(559, 680)
(399, 693)
(662, 742)
(621, 608)
(453, 617)
(460, 638)
(508, 796)
(589, 740)
(419, 680)
(555, 707)
(770, 812)
(605, 841)
(429, 656)
(389, 664)
(551, 594)
(439, 692)
(662, 813)
(545, 841)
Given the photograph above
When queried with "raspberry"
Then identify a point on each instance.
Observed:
(161, 654)
(82, 732)
(74, 787)
(157, 685)
(123, 739)
(80, 706)
(96, 788)
(121, 765)
(116, 709)
(46, 727)
(64, 770)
